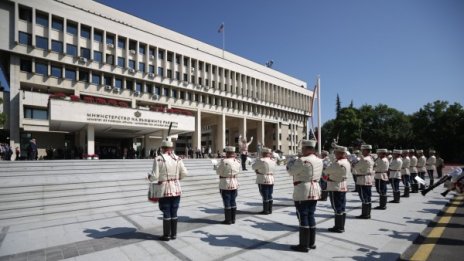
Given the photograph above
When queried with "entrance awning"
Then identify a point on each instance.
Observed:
(114, 121)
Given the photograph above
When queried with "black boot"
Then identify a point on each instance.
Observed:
(396, 197)
(265, 208)
(431, 182)
(312, 238)
(269, 207)
(166, 229)
(406, 192)
(304, 241)
(382, 203)
(365, 213)
(324, 195)
(233, 212)
(414, 188)
(227, 215)
(173, 228)
(339, 224)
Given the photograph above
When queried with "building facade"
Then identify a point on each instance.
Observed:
(85, 78)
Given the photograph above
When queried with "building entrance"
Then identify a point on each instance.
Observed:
(114, 148)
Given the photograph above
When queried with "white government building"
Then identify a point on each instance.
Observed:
(85, 78)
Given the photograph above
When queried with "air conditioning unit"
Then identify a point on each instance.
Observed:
(206, 87)
(151, 75)
(82, 60)
(131, 70)
(108, 87)
(116, 90)
(152, 57)
(133, 52)
(155, 96)
(136, 93)
(255, 99)
(110, 45)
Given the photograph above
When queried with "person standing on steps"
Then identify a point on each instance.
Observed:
(395, 175)
(306, 172)
(364, 168)
(228, 169)
(168, 169)
(381, 177)
(243, 145)
(264, 168)
(337, 174)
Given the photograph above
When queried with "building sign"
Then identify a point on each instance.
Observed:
(136, 120)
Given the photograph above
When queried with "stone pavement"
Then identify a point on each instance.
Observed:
(131, 231)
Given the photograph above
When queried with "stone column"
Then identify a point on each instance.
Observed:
(14, 111)
(242, 127)
(260, 133)
(277, 133)
(196, 139)
(90, 139)
(221, 132)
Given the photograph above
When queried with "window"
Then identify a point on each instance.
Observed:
(110, 59)
(142, 48)
(149, 88)
(25, 38)
(118, 83)
(151, 52)
(178, 76)
(169, 73)
(41, 42)
(83, 76)
(158, 90)
(185, 77)
(85, 31)
(25, 14)
(98, 56)
(141, 67)
(122, 42)
(98, 36)
(25, 65)
(160, 71)
(161, 54)
(165, 91)
(129, 84)
(132, 45)
(132, 64)
(71, 28)
(174, 94)
(41, 68)
(96, 79)
(151, 68)
(70, 74)
(71, 49)
(138, 86)
(178, 58)
(85, 52)
(41, 19)
(108, 80)
(109, 39)
(34, 113)
(121, 62)
(57, 23)
(169, 57)
(57, 46)
(57, 71)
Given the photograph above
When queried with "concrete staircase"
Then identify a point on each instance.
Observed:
(34, 191)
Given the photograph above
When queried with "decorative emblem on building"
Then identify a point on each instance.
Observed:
(137, 114)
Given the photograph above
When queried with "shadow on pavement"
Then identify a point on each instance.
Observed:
(186, 219)
(268, 226)
(439, 241)
(374, 255)
(119, 233)
(211, 210)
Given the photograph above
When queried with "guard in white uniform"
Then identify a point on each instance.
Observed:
(421, 160)
(228, 169)
(381, 177)
(413, 171)
(405, 174)
(168, 169)
(306, 172)
(364, 180)
(264, 168)
(337, 174)
(431, 165)
(323, 183)
(395, 175)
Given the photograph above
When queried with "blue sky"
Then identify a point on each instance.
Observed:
(403, 53)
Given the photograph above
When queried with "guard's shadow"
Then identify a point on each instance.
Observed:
(210, 221)
(119, 233)
(211, 210)
(240, 242)
(268, 226)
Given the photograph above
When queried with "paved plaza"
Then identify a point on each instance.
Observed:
(97, 210)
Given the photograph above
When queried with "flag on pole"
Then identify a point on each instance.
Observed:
(221, 28)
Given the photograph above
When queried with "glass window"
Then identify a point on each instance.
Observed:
(109, 59)
(71, 49)
(57, 71)
(141, 67)
(178, 59)
(174, 94)
(165, 91)
(85, 31)
(169, 73)
(122, 42)
(161, 54)
(149, 88)
(151, 68)
(34, 113)
(71, 28)
(142, 49)
(118, 83)
(151, 52)
(178, 76)
(25, 13)
(169, 57)
(57, 46)
(96, 79)
(109, 39)
(108, 80)
(83, 76)
(121, 61)
(41, 42)
(25, 38)
(158, 90)
(132, 64)
(41, 68)
(70, 74)
(98, 36)
(160, 71)
(129, 84)
(57, 23)
(25, 65)
(98, 56)
(85, 52)
(41, 19)
(138, 86)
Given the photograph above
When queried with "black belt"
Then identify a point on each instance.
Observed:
(228, 177)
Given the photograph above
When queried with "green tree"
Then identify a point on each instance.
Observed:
(338, 106)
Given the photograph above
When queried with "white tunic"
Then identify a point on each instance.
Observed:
(363, 171)
(264, 169)
(381, 168)
(413, 164)
(228, 169)
(337, 174)
(405, 166)
(421, 164)
(431, 162)
(395, 168)
(167, 170)
(306, 172)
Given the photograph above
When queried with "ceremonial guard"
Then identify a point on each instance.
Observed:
(353, 159)
(421, 160)
(405, 174)
(323, 183)
(363, 171)
(430, 165)
(264, 168)
(413, 171)
(306, 172)
(243, 144)
(168, 169)
(381, 177)
(395, 175)
(337, 174)
(228, 169)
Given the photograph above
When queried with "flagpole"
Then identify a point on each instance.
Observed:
(319, 148)
(223, 39)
